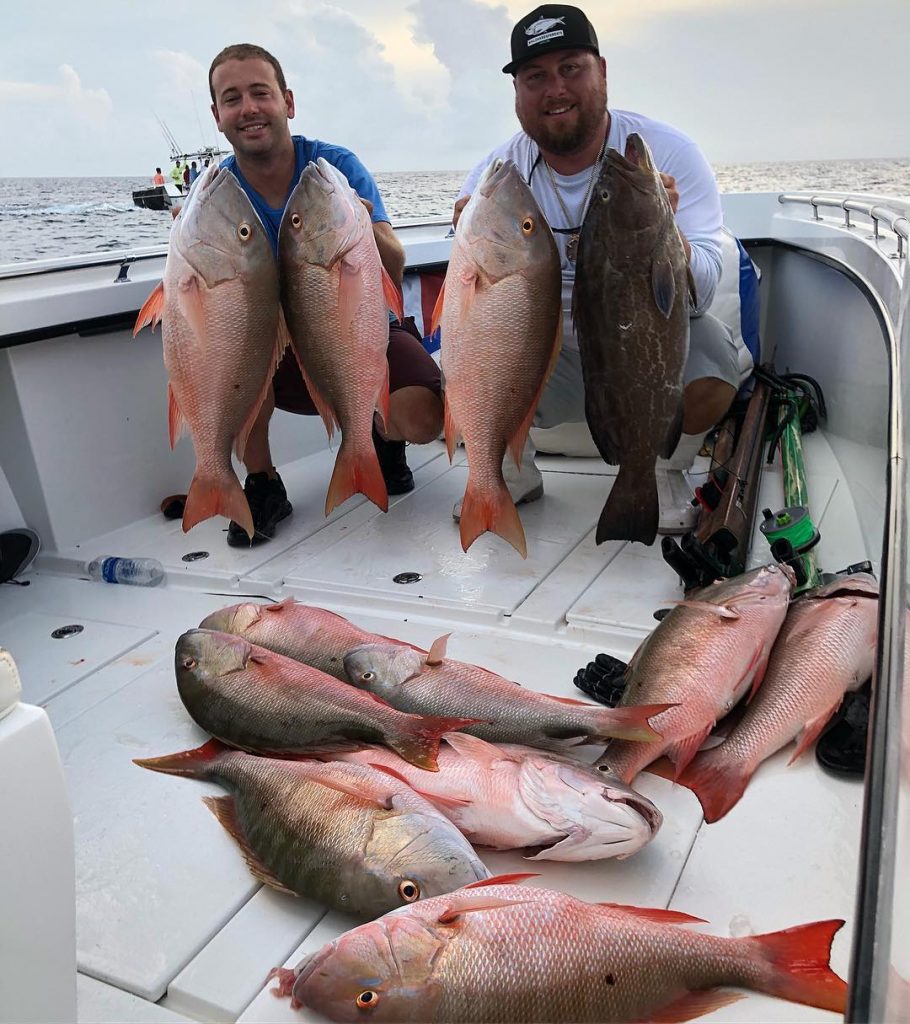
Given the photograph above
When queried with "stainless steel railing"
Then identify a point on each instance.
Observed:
(892, 217)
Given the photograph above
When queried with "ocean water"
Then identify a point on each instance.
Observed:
(43, 218)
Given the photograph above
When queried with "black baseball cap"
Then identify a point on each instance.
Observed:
(547, 28)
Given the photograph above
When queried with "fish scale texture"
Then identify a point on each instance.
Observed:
(312, 635)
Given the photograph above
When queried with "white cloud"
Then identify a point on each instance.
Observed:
(87, 103)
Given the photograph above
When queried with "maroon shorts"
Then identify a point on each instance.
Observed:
(409, 364)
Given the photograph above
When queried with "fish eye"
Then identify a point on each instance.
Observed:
(244, 231)
(189, 663)
(409, 891)
(527, 226)
(604, 194)
(367, 999)
(368, 677)
(296, 220)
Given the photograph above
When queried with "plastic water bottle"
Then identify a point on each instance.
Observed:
(139, 572)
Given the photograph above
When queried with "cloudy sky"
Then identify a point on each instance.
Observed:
(415, 84)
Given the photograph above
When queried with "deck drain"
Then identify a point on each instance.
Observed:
(64, 631)
(195, 556)
(407, 577)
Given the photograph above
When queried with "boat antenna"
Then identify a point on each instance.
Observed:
(168, 138)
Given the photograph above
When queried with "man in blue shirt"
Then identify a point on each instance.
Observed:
(252, 106)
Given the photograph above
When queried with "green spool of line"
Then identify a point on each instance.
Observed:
(793, 524)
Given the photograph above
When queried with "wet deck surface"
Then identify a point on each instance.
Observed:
(170, 922)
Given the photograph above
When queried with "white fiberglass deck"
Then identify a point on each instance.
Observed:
(168, 914)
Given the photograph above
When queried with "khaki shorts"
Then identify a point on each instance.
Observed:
(713, 352)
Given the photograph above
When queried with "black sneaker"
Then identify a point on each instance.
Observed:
(841, 748)
(398, 477)
(269, 505)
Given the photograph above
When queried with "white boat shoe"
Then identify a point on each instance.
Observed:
(674, 492)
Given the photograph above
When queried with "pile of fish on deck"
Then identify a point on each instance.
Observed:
(360, 769)
(230, 310)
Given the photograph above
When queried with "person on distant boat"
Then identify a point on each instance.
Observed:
(158, 177)
(177, 174)
(193, 173)
(560, 82)
(252, 106)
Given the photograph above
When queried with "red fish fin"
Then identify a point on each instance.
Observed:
(350, 293)
(663, 768)
(281, 342)
(393, 295)
(280, 606)
(283, 339)
(286, 978)
(682, 752)
(812, 730)
(758, 666)
(720, 610)
(208, 497)
(451, 432)
(632, 510)
(518, 439)
(467, 294)
(719, 787)
(437, 652)
(515, 878)
(225, 810)
(456, 908)
(492, 512)
(189, 301)
(196, 763)
(383, 401)
(658, 914)
(418, 742)
(435, 798)
(437, 309)
(175, 421)
(151, 311)
(343, 785)
(627, 723)
(356, 472)
(692, 1005)
(475, 749)
(324, 408)
(801, 971)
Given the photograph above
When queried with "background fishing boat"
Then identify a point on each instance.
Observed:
(169, 924)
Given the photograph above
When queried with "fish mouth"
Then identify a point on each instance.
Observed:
(652, 816)
(307, 968)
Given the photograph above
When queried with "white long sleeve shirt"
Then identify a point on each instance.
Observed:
(698, 214)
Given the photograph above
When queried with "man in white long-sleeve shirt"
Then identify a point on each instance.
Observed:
(560, 84)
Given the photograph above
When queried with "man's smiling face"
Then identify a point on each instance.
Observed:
(560, 99)
(250, 107)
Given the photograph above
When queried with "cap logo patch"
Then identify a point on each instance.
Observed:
(536, 28)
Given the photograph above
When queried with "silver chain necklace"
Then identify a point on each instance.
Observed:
(575, 232)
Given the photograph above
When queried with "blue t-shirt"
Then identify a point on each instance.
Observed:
(308, 150)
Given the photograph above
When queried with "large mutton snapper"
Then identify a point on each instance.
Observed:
(219, 306)
(825, 648)
(315, 636)
(631, 313)
(343, 834)
(503, 711)
(500, 314)
(336, 295)
(254, 699)
(494, 953)
(703, 657)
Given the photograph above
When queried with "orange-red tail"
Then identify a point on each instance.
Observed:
(719, 785)
(223, 496)
(494, 511)
(627, 723)
(418, 740)
(799, 961)
(356, 472)
(197, 763)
